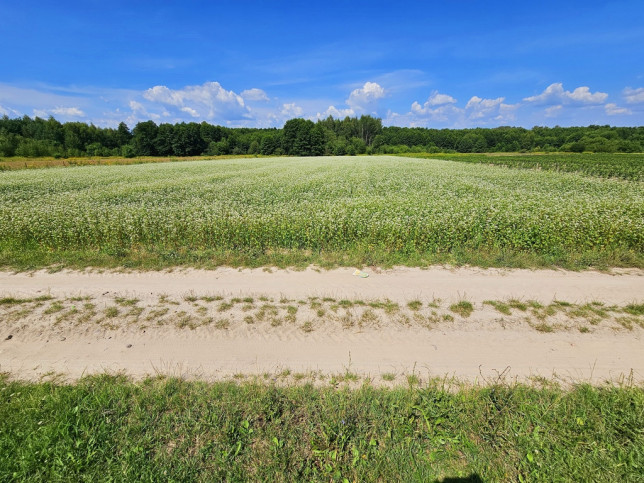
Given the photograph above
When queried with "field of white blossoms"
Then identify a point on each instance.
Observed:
(370, 209)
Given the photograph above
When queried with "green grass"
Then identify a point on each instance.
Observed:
(463, 308)
(355, 211)
(108, 428)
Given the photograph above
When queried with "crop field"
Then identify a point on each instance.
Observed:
(339, 211)
(626, 166)
(317, 375)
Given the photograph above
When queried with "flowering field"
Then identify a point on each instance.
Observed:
(358, 209)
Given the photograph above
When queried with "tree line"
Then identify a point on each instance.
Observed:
(300, 137)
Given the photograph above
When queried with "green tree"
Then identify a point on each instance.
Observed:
(143, 137)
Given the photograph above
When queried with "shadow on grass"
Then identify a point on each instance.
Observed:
(473, 478)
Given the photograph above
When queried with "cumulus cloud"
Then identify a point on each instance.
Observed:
(190, 110)
(366, 97)
(139, 112)
(481, 109)
(209, 100)
(440, 109)
(254, 95)
(553, 111)
(437, 107)
(438, 99)
(613, 109)
(336, 113)
(291, 110)
(633, 96)
(441, 113)
(68, 111)
(555, 94)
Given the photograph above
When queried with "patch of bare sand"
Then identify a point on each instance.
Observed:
(203, 324)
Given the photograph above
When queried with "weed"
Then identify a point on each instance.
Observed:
(462, 308)
(413, 380)
(155, 314)
(111, 312)
(499, 306)
(415, 304)
(225, 306)
(202, 310)
(517, 304)
(56, 306)
(543, 327)
(634, 309)
(369, 317)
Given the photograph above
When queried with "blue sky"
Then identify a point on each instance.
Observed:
(458, 63)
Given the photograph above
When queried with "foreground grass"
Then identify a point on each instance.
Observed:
(107, 427)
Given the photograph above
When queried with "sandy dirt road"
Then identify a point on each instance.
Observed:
(217, 324)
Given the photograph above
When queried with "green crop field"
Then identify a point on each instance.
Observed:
(330, 211)
(626, 166)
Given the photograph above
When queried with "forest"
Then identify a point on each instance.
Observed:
(27, 137)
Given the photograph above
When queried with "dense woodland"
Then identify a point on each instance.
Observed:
(48, 137)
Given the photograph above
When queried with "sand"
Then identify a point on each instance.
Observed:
(198, 337)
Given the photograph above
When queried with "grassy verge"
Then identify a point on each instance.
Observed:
(107, 427)
(141, 258)
(17, 162)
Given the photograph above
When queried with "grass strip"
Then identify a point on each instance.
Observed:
(108, 427)
(153, 258)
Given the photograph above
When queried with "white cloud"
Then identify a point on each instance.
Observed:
(366, 97)
(140, 113)
(437, 107)
(478, 108)
(190, 111)
(254, 95)
(440, 113)
(555, 94)
(336, 113)
(209, 101)
(136, 106)
(68, 111)
(6, 111)
(613, 109)
(633, 96)
(291, 110)
(438, 99)
(553, 111)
